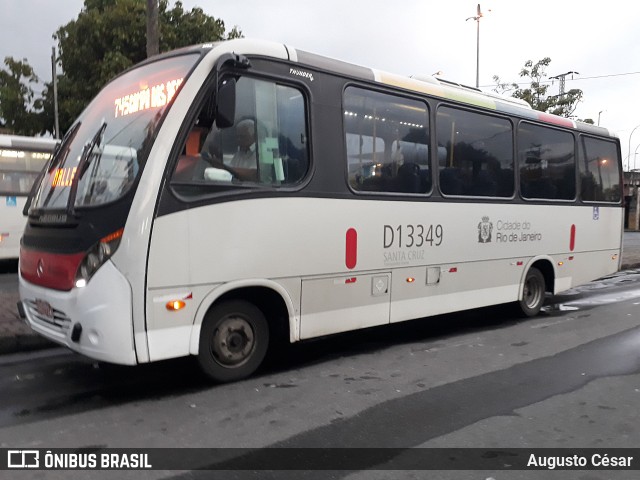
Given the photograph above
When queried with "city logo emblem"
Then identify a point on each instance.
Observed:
(485, 227)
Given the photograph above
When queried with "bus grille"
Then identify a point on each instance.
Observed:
(57, 319)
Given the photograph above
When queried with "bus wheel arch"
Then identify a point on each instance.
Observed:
(538, 280)
(237, 330)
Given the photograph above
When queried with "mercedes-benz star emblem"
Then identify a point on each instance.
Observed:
(40, 268)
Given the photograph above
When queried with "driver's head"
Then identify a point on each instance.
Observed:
(245, 134)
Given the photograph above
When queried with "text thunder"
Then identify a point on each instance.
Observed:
(301, 73)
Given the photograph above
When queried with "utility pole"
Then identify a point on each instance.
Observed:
(54, 74)
(477, 18)
(153, 38)
(561, 78)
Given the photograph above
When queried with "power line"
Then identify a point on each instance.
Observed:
(573, 79)
(609, 75)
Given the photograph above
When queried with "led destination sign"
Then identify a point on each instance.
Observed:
(63, 177)
(146, 98)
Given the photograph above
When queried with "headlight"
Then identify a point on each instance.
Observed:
(97, 256)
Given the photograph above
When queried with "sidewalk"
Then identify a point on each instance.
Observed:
(17, 336)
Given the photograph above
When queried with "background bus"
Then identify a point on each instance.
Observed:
(21, 161)
(350, 198)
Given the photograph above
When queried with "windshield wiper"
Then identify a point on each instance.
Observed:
(83, 164)
(57, 158)
(60, 153)
(85, 158)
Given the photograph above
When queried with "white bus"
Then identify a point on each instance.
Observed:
(213, 198)
(21, 161)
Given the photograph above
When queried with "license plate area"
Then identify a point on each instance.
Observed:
(44, 309)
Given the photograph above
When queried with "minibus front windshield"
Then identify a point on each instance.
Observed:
(107, 147)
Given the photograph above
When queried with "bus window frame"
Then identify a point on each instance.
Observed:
(581, 153)
(573, 134)
(513, 121)
(376, 88)
(214, 190)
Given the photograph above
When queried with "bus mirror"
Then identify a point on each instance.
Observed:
(226, 103)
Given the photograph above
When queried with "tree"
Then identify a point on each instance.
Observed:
(536, 94)
(19, 108)
(108, 37)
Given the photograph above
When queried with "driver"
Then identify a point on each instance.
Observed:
(243, 164)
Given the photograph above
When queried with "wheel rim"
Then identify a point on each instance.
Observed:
(233, 341)
(532, 293)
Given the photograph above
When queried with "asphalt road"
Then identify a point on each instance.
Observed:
(567, 378)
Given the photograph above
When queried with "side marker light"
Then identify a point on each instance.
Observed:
(175, 305)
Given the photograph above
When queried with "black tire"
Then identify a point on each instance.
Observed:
(533, 292)
(233, 341)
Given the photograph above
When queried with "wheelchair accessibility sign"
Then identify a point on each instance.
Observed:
(12, 202)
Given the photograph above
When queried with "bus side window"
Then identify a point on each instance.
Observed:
(599, 172)
(387, 140)
(281, 133)
(547, 163)
(267, 143)
(475, 154)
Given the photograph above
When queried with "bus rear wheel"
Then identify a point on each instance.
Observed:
(533, 293)
(233, 341)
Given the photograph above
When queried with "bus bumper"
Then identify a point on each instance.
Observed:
(95, 320)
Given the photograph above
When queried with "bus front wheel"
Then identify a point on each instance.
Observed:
(233, 341)
(532, 293)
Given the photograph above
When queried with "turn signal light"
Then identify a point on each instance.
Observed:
(175, 305)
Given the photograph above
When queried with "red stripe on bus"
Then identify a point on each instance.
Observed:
(572, 238)
(549, 118)
(50, 270)
(351, 253)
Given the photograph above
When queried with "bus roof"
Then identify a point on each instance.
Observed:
(428, 85)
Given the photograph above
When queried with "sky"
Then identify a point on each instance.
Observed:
(599, 40)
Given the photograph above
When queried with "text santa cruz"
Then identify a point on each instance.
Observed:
(506, 231)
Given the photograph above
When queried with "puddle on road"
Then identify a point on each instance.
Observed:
(591, 302)
(611, 289)
(559, 307)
